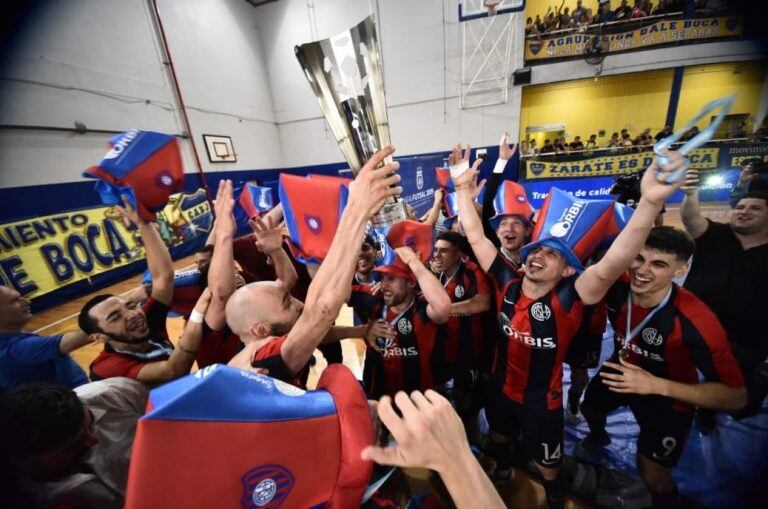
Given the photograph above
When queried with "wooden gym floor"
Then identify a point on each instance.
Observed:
(524, 491)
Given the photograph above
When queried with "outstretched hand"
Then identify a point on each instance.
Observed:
(691, 184)
(268, 238)
(375, 183)
(506, 150)
(128, 214)
(429, 434)
(222, 207)
(655, 191)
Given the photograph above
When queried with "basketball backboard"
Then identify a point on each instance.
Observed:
(474, 9)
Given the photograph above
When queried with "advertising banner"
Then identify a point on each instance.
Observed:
(656, 34)
(43, 254)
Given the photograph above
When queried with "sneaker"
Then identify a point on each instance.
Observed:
(572, 419)
(592, 448)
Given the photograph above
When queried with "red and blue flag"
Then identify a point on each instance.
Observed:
(253, 201)
(312, 208)
(143, 166)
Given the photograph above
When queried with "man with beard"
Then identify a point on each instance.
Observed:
(729, 270)
(539, 311)
(135, 339)
(663, 335)
(402, 354)
(462, 338)
(280, 333)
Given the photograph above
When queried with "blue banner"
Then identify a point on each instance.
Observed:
(419, 181)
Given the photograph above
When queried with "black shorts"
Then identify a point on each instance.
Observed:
(663, 430)
(541, 428)
(584, 351)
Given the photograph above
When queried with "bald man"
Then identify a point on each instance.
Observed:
(279, 332)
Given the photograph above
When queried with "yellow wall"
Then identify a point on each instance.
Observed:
(632, 101)
(704, 83)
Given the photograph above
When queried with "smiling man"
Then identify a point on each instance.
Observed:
(538, 312)
(663, 335)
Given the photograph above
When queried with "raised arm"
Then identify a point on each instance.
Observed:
(595, 281)
(158, 258)
(330, 286)
(269, 240)
(690, 210)
(221, 277)
(431, 216)
(465, 182)
(438, 301)
(183, 356)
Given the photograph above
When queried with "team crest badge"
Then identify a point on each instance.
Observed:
(266, 487)
(535, 47)
(314, 223)
(540, 311)
(419, 180)
(459, 291)
(652, 337)
(536, 168)
(404, 326)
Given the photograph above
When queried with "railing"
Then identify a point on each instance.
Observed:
(622, 23)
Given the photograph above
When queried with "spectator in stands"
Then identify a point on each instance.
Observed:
(529, 26)
(539, 24)
(70, 448)
(525, 149)
(136, 343)
(614, 141)
(690, 133)
(578, 12)
(662, 8)
(605, 14)
(625, 133)
(577, 144)
(738, 131)
(644, 138)
(560, 146)
(638, 11)
(565, 19)
(729, 272)
(26, 357)
(626, 140)
(534, 149)
(591, 142)
(623, 11)
(548, 148)
(667, 131)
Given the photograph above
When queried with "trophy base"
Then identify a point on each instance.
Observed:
(389, 214)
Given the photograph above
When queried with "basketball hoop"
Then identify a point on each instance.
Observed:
(491, 6)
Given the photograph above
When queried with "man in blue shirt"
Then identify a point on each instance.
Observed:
(27, 357)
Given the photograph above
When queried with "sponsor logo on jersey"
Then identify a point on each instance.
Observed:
(638, 350)
(391, 349)
(540, 311)
(523, 336)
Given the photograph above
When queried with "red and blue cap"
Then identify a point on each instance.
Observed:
(143, 166)
(451, 206)
(223, 437)
(511, 200)
(571, 226)
(418, 236)
(312, 209)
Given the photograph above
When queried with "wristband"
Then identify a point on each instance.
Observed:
(458, 169)
(500, 165)
(196, 316)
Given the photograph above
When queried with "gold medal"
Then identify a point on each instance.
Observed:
(624, 353)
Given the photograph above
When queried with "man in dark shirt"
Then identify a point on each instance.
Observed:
(667, 131)
(539, 311)
(577, 144)
(729, 271)
(663, 335)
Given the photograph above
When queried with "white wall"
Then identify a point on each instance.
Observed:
(412, 39)
(98, 62)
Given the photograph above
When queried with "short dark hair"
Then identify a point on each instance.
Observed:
(206, 249)
(668, 239)
(40, 417)
(85, 321)
(370, 241)
(457, 240)
(758, 195)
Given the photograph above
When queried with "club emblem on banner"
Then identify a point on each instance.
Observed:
(419, 179)
(266, 486)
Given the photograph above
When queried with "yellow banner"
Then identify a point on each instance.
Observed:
(45, 253)
(701, 159)
(660, 32)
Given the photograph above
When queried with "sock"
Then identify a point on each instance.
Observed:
(666, 500)
(555, 490)
(501, 453)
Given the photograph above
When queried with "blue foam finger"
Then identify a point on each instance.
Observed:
(662, 161)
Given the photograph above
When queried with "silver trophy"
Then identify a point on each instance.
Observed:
(345, 73)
